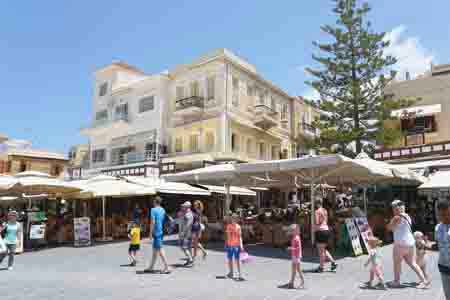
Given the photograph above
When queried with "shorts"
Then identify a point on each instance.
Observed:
(296, 260)
(157, 242)
(322, 236)
(134, 248)
(233, 252)
(186, 243)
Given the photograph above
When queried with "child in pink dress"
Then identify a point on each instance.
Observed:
(296, 256)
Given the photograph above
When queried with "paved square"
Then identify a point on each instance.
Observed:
(95, 273)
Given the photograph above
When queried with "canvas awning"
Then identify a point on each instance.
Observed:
(417, 111)
(234, 190)
(438, 180)
(162, 186)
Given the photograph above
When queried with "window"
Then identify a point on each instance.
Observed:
(179, 144)
(284, 112)
(419, 124)
(98, 155)
(180, 92)
(275, 152)
(262, 151)
(273, 103)
(235, 97)
(249, 146)
(209, 141)
(23, 166)
(261, 97)
(55, 170)
(122, 112)
(210, 86)
(103, 89)
(146, 104)
(101, 115)
(250, 90)
(195, 91)
(193, 143)
(234, 142)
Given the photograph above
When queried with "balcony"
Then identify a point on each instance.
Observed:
(135, 157)
(308, 129)
(189, 107)
(265, 117)
(103, 126)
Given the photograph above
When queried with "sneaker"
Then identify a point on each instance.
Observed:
(133, 264)
(423, 285)
(205, 255)
(382, 286)
(240, 278)
(10, 268)
(334, 266)
(368, 284)
(230, 276)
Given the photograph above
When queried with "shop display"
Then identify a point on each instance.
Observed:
(354, 236)
(37, 231)
(364, 230)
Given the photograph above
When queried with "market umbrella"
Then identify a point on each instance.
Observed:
(103, 186)
(32, 182)
(162, 186)
(437, 181)
(7, 182)
(309, 170)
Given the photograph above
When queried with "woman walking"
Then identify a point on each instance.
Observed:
(322, 232)
(12, 237)
(197, 229)
(404, 244)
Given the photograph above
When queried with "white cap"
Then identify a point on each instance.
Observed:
(186, 204)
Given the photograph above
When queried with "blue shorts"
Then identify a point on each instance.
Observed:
(157, 242)
(233, 252)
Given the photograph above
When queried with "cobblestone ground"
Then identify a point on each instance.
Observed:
(95, 273)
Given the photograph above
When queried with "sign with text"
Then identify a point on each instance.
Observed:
(82, 232)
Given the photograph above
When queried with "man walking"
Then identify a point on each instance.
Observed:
(185, 234)
(157, 217)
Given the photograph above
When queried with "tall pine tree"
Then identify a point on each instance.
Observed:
(352, 79)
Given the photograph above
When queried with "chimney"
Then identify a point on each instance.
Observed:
(407, 76)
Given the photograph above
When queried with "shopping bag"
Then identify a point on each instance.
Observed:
(245, 258)
(2, 245)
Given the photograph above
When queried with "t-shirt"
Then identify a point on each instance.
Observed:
(233, 235)
(186, 225)
(135, 234)
(443, 238)
(158, 214)
(11, 233)
(403, 235)
(296, 247)
(321, 219)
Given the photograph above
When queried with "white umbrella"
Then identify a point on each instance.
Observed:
(7, 182)
(107, 186)
(163, 186)
(31, 182)
(437, 181)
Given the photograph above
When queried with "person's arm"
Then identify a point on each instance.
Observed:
(151, 224)
(393, 223)
(240, 238)
(188, 226)
(19, 235)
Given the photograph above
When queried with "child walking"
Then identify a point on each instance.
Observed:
(375, 261)
(422, 245)
(234, 246)
(135, 241)
(296, 256)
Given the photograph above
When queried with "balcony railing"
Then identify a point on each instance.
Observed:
(135, 157)
(121, 117)
(264, 109)
(418, 129)
(190, 102)
(442, 148)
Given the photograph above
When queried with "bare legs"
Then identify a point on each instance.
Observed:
(161, 254)
(324, 255)
(296, 269)
(406, 253)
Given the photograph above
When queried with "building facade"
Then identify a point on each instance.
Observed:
(216, 109)
(18, 156)
(426, 125)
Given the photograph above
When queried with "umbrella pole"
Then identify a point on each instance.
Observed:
(313, 214)
(365, 200)
(104, 217)
(227, 199)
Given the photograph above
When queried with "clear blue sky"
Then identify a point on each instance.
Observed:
(49, 49)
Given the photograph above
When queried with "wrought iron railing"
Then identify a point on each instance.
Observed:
(193, 101)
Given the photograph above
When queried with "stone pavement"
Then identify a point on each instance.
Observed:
(95, 273)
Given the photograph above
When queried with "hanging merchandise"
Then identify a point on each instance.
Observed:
(364, 230)
(354, 236)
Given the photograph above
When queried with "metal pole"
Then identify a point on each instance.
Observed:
(104, 217)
